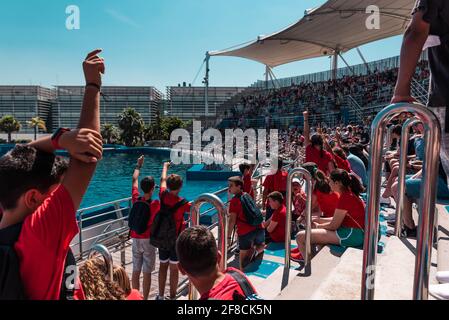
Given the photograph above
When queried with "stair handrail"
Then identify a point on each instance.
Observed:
(109, 262)
(432, 134)
(222, 230)
(288, 224)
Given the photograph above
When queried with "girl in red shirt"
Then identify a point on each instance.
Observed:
(346, 227)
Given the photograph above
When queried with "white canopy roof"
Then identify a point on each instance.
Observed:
(336, 26)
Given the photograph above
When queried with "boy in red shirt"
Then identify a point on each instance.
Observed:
(274, 182)
(275, 226)
(199, 259)
(251, 238)
(44, 210)
(169, 196)
(247, 172)
(144, 254)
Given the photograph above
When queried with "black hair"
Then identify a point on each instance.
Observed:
(243, 167)
(197, 251)
(276, 196)
(349, 181)
(174, 182)
(317, 140)
(147, 184)
(25, 168)
(280, 164)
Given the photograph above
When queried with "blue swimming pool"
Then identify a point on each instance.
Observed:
(112, 179)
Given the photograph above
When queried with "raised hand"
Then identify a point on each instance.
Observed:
(140, 161)
(85, 145)
(94, 67)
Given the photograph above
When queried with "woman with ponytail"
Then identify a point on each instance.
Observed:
(346, 227)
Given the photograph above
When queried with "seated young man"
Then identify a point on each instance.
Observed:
(246, 170)
(171, 187)
(275, 226)
(40, 209)
(251, 239)
(144, 254)
(199, 259)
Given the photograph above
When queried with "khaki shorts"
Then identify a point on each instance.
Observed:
(144, 256)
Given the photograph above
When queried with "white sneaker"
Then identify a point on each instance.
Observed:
(440, 291)
(443, 276)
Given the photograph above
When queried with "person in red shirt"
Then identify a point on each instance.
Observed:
(169, 196)
(275, 226)
(346, 227)
(251, 238)
(315, 149)
(144, 254)
(199, 260)
(341, 160)
(246, 170)
(31, 196)
(274, 182)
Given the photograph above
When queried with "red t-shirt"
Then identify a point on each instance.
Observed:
(243, 227)
(171, 200)
(134, 295)
(276, 182)
(314, 155)
(342, 164)
(247, 185)
(299, 203)
(43, 245)
(225, 289)
(279, 216)
(154, 208)
(355, 207)
(328, 202)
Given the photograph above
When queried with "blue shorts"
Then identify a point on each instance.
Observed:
(413, 188)
(253, 238)
(166, 256)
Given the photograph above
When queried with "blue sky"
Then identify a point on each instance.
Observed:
(150, 42)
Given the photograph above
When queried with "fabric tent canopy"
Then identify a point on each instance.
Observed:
(335, 27)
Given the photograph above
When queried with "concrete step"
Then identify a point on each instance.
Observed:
(443, 238)
(302, 286)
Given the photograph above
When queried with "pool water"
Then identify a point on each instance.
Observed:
(113, 178)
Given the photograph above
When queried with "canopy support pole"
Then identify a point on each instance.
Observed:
(335, 64)
(346, 63)
(363, 59)
(273, 78)
(267, 75)
(206, 84)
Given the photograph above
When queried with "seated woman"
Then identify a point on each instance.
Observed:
(346, 227)
(122, 279)
(324, 199)
(275, 226)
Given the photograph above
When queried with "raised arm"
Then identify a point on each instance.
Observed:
(306, 128)
(412, 45)
(164, 175)
(136, 173)
(79, 173)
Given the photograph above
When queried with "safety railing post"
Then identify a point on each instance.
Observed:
(288, 224)
(222, 230)
(432, 134)
(80, 234)
(101, 249)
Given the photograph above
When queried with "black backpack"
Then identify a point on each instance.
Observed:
(247, 288)
(139, 216)
(11, 287)
(252, 213)
(163, 229)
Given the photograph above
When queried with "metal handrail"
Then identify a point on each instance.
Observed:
(222, 230)
(432, 133)
(109, 262)
(402, 173)
(288, 224)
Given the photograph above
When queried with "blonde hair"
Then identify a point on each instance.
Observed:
(122, 279)
(95, 284)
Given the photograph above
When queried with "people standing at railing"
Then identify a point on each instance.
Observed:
(244, 214)
(141, 218)
(173, 208)
(199, 259)
(346, 227)
(429, 28)
(39, 210)
(315, 149)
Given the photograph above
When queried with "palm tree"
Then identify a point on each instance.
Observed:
(110, 133)
(9, 124)
(132, 125)
(38, 124)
